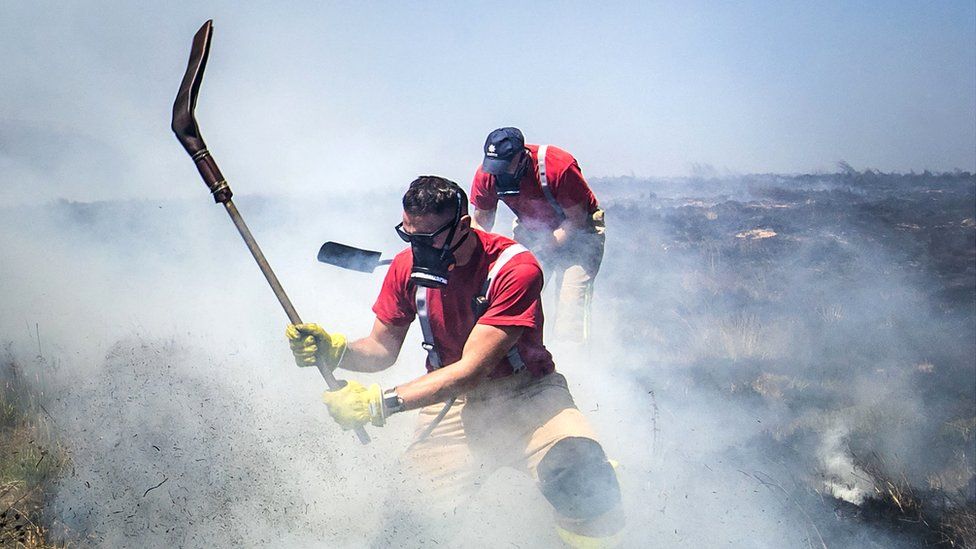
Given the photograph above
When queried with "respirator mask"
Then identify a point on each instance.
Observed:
(431, 265)
(507, 184)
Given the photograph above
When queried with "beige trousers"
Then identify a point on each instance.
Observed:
(510, 422)
(571, 272)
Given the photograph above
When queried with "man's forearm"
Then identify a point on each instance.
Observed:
(483, 219)
(575, 221)
(486, 346)
(366, 355)
(439, 385)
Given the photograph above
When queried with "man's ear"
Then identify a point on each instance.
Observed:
(464, 222)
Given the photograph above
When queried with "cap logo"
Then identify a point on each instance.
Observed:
(491, 148)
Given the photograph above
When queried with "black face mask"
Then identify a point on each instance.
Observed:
(507, 184)
(431, 265)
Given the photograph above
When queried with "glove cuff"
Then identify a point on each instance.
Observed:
(377, 408)
(337, 350)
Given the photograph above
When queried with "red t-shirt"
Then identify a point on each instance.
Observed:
(514, 300)
(531, 206)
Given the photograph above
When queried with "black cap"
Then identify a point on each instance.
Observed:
(501, 146)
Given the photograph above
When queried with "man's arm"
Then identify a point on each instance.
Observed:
(377, 351)
(485, 347)
(484, 219)
(576, 219)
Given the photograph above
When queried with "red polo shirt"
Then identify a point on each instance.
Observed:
(514, 300)
(531, 206)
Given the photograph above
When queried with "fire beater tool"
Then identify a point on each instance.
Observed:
(347, 257)
(185, 127)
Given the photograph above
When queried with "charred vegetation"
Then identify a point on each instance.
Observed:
(839, 306)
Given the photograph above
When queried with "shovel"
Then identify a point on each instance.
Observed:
(185, 127)
(347, 257)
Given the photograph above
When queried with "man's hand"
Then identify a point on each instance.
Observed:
(539, 241)
(354, 405)
(313, 346)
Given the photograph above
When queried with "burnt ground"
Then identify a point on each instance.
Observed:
(821, 301)
(798, 355)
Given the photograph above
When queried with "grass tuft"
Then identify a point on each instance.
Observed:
(31, 457)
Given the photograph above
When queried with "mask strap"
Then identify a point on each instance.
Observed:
(450, 235)
(522, 166)
(458, 245)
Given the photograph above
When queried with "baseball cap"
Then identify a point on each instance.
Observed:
(501, 146)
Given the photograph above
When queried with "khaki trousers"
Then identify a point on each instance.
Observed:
(571, 270)
(510, 422)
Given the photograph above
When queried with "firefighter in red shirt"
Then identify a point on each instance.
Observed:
(557, 217)
(477, 296)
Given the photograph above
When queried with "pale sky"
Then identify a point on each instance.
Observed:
(333, 96)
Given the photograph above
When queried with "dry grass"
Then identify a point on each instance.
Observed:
(866, 486)
(960, 525)
(942, 517)
(743, 336)
(31, 457)
(777, 386)
(19, 509)
(734, 337)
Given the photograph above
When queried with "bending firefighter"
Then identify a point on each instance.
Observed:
(557, 217)
(477, 296)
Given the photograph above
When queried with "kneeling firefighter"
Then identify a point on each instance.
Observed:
(477, 296)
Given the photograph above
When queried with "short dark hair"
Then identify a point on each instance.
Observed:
(430, 194)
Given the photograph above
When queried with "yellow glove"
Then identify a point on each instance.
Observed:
(313, 346)
(354, 405)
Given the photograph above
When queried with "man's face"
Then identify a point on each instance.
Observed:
(426, 224)
(513, 164)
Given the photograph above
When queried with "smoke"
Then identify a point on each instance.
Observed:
(758, 337)
(781, 335)
(735, 379)
(165, 361)
(90, 91)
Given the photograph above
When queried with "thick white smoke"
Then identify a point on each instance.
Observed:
(166, 369)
